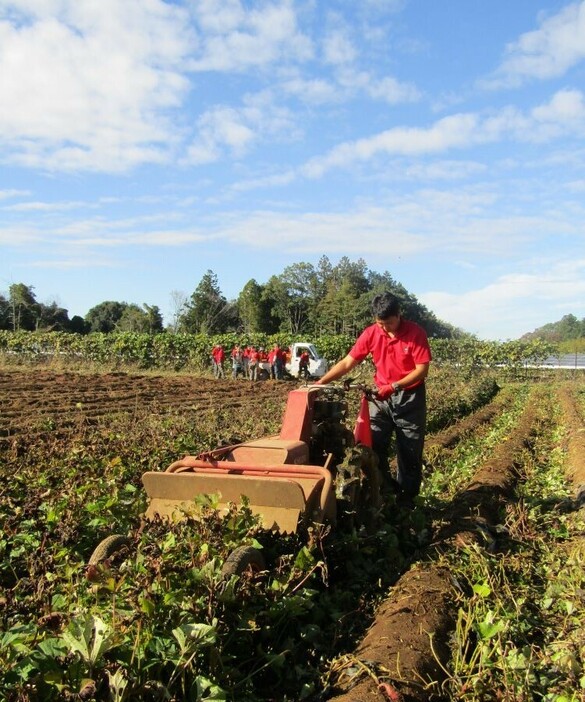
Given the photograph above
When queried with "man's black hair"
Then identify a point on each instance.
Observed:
(385, 305)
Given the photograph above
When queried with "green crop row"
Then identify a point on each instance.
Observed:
(191, 351)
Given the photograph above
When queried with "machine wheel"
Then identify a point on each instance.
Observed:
(242, 559)
(263, 374)
(108, 547)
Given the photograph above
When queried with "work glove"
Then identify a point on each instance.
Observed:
(384, 391)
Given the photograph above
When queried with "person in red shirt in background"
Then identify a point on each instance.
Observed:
(253, 359)
(246, 360)
(304, 364)
(213, 361)
(237, 361)
(401, 353)
(276, 362)
(218, 356)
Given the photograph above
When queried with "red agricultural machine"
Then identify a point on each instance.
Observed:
(316, 470)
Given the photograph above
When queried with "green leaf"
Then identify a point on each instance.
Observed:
(89, 638)
(304, 559)
(192, 636)
(207, 690)
(482, 589)
(52, 648)
(147, 606)
(490, 628)
(118, 683)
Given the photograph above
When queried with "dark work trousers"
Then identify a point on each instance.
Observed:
(403, 415)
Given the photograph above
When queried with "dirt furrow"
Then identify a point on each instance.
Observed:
(405, 647)
(32, 402)
(574, 444)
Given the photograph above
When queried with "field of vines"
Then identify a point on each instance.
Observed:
(477, 594)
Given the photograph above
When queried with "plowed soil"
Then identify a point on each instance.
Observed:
(407, 642)
(32, 402)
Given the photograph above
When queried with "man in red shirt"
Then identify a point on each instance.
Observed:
(218, 358)
(401, 353)
(253, 359)
(304, 365)
(237, 361)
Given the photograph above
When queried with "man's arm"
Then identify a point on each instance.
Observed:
(339, 370)
(419, 373)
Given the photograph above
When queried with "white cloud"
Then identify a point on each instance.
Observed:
(436, 223)
(358, 232)
(576, 186)
(235, 39)
(338, 47)
(386, 89)
(19, 236)
(345, 84)
(563, 114)
(231, 130)
(547, 52)
(454, 131)
(223, 125)
(315, 91)
(13, 193)
(269, 181)
(392, 91)
(518, 302)
(444, 170)
(43, 206)
(90, 262)
(90, 86)
(87, 85)
(466, 221)
(161, 238)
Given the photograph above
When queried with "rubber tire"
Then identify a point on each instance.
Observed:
(263, 374)
(108, 547)
(242, 558)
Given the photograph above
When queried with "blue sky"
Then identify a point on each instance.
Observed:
(144, 142)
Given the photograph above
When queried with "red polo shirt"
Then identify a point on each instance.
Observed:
(394, 357)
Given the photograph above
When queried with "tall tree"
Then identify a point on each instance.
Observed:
(570, 327)
(145, 320)
(154, 318)
(53, 318)
(275, 297)
(208, 311)
(341, 309)
(178, 305)
(104, 316)
(78, 325)
(290, 297)
(5, 318)
(301, 284)
(254, 310)
(24, 308)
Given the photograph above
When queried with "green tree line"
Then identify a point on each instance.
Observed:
(567, 330)
(304, 299)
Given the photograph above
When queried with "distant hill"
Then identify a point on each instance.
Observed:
(566, 329)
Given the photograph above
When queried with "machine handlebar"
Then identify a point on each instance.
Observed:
(348, 385)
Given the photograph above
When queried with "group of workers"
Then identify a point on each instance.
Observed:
(246, 361)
